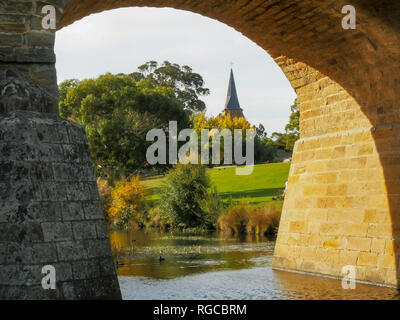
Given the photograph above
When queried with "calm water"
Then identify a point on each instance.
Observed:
(216, 266)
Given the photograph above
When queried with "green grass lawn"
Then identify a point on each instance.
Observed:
(266, 182)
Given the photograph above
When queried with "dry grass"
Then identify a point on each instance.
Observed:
(245, 219)
(105, 193)
(263, 220)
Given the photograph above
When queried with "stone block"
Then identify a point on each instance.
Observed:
(76, 153)
(77, 134)
(390, 248)
(72, 210)
(347, 258)
(331, 228)
(20, 275)
(85, 269)
(44, 253)
(387, 261)
(57, 231)
(103, 288)
(367, 259)
(84, 230)
(98, 248)
(334, 242)
(354, 229)
(19, 253)
(50, 152)
(378, 245)
(40, 38)
(63, 272)
(28, 232)
(34, 55)
(71, 251)
(107, 266)
(10, 40)
(70, 172)
(94, 191)
(93, 210)
(297, 227)
(77, 191)
(380, 230)
(359, 244)
(54, 191)
(16, 7)
(3, 251)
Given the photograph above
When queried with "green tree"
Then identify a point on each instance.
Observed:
(292, 128)
(264, 148)
(188, 86)
(279, 139)
(186, 195)
(118, 113)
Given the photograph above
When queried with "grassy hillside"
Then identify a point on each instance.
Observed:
(266, 181)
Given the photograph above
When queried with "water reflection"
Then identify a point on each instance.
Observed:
(297, 286)
(138, 253)
(215, 266)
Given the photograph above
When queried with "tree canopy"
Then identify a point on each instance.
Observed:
(263, 146)
(118, 112)
(287, 140)
(187, 85)
(293, 127)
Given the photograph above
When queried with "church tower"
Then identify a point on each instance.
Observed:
(232, 106)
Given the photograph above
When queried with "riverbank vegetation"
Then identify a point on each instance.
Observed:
(246, 219)
(193, 197)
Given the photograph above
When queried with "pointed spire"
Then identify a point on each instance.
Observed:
(232, 101)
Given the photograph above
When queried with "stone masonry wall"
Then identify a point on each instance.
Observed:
(50, 212)
(27, 58)
(337, 211)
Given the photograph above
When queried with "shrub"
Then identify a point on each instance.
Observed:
(156, 219)
(128, 203)
(184, 196)
(212, 207)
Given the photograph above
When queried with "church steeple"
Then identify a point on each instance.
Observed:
(232, 101)
(232, 105)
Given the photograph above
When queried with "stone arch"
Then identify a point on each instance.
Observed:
(342, 205)
(347, 91)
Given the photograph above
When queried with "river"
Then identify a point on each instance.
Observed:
(172, 265)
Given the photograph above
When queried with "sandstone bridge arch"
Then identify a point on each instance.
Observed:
(342, 206)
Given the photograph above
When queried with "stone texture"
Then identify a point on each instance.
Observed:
(41, 222)
(22, 91)
(341, 197)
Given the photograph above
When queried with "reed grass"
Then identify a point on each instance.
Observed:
(243, 219)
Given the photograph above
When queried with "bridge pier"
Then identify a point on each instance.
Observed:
(342, 203)
(50, 212)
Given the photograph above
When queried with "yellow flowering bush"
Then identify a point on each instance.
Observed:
(220, 122)
(215, 124)
(128, 202)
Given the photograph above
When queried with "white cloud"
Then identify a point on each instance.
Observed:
(120, 40)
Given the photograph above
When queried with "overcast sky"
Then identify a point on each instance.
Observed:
(118, 41)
